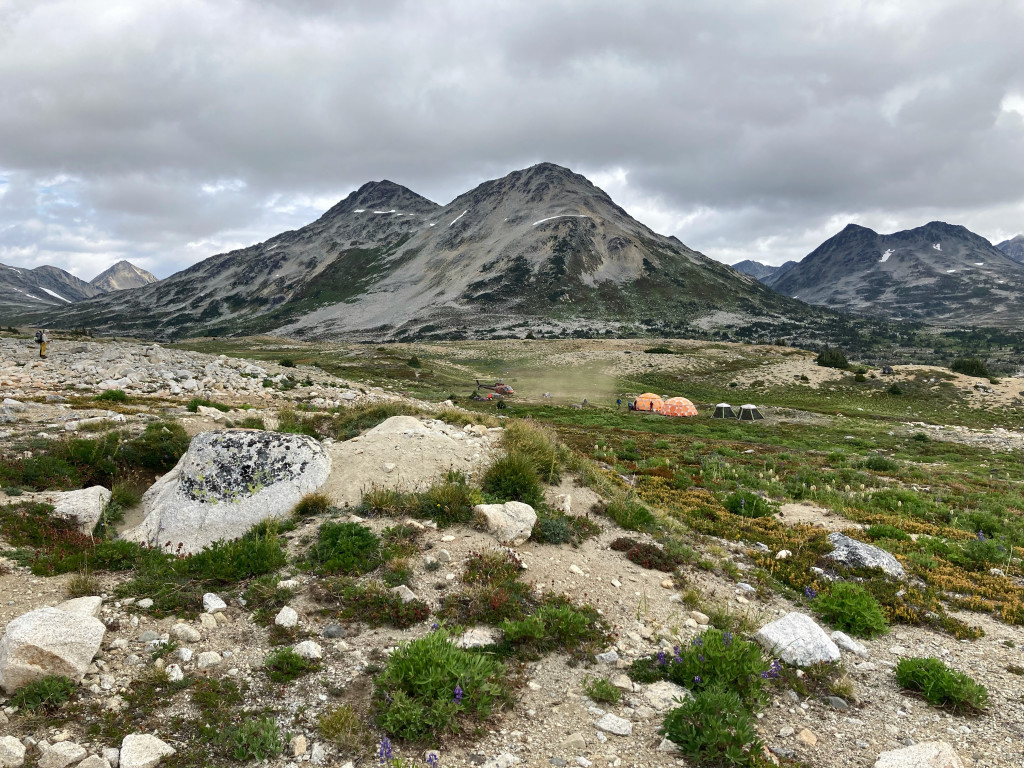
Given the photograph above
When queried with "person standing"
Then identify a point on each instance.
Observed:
(42, 339)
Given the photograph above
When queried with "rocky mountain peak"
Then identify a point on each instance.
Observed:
(1013, 248)
(121, 276)
(383, 196)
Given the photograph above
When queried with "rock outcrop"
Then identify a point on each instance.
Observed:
(797, 640)
(510, 523)
(48, 641)
(227, 482)
(857, 554)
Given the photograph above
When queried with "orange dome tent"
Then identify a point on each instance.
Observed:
(649, 402)
(678, 406)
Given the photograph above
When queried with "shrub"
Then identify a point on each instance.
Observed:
(880, 464)
(286, 362)
(448, 503)
(252, 422)
(342, 727)
(513, 478)
(290, 422)
(492, 591)
(558, 528)
(195, 402)
(714, 658)
(832, 357)
(631, 514)
(557, 626)
(851, 608)
(312, 504)
(43, 695)
(885, 531)
(940, 685)
(749, 504)
(253, 740)
(370, 603)
(601, 690)
(265, 598)
(112, 396)
(540, 444)
(350, 422)
(126, 495)
(285, 665)
(894, 389)
(429, 688)
(714, 729)
(414, 362)
(648, 556)
(82, 585)
(348, 548)
(969, 366)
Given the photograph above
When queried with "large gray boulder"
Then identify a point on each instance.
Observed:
(927, 754)
(141, 750)
(226, 482)
(510, 523)
(48, 641)
(797, 640)
(857, 554)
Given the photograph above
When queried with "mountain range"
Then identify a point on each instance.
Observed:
(539, 249)
(43, 288)
(766, 273)
(1014, 248)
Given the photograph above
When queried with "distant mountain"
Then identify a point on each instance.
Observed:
(541, 248)
(766, 273)
(939, 273)
(1014, 248)
(40, 289)
(122, 276)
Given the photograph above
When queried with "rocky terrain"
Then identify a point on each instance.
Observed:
(121, 276)
(136, 665)
(541, 247)
(939, 273)
(1014, 248)
(766, 273)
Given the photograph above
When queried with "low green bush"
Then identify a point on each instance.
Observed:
(540, 444)
(43, 695)
(832, 357)
(940, 685)
(286, 362)
(370, 603)
(252, 422)
(449, 502)
(558, 528)
(195, 402)
(648, 556)
(253, 740)
(601, 690)
(714, 658)
(312, 504)
(714, 729)
(749, 504)
(284, 665)
(969, 366)
(429, 688)
(513, 477)
(343, 728)
(347, 548)
(880, 464)
(884, 531)
(851, 608)
(558, 625)
(631, 514)
(112, 396)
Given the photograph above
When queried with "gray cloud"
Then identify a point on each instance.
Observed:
(167, 132)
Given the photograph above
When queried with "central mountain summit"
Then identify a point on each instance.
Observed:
(541, 248)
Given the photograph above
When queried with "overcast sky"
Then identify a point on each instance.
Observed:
(165, 132)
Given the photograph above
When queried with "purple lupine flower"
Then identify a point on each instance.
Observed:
(727, 639)
(981, 535)
(810, 591)
(458, 693)
(384, 752)
(661, 659)
(772, 672)
(434, 627)
(698, 641)
(433, 760)
(700, 657)
(697, 679)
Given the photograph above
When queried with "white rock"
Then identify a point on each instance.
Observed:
(212, 603)
(12, 752)
(318, 755)
(857, 554)
(62, 754)
(286, 617)
(667, 745)
(510, 523)
(174, 673)
(225, 483)
(48, 641)
(94, 761)
(112, 755)
(615, 725)
(848, 644)
(406, 594)
(185, 654)
(563, 503)
(662, 695)
(208, 659)
(479, 637)
(782, 554)
(307, 649)
(797, 640)
(141, 750)
(185, 633)
(85, 506)
(506, 760)
(207, 621)
(927, 754)
(700, 618)
(83, 606)
(144, 603)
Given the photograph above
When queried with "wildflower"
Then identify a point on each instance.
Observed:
(700, 657)
(433, 760)
(811, 592)
(698, 641)
(458, 693)
(697, 679)
(981, 536)
(727, 639)
(773, 671)
(384, 753)
(661, 659)
(434, 627)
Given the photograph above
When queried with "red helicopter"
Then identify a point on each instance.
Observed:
(498, 387)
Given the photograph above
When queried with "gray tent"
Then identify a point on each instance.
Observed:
(750, 413)
(723, 411)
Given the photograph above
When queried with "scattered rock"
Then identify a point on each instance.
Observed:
(623, 682)
(797, 640)
(505, 760)
(608, 657)
(615, 725)
(848, 644)
(12, 752)
(298, 745)
(112, 755)
(406, 594)
(837, 703)
(806, 737)
(185, 633)
(574, 743)
(333, 631)
(212, 603)
(208, 659)
(927, 754)
(663, 695)
(700, 618)
(225, 483)
(286, 617)
(479, 637)
(85, 507)
(857, 554)
(62, 754)
(510, 523)
(141, 750)
(668, 745)
(308, 649)
(48, 641)
(174, 673)
(94, 761)
(83, 606)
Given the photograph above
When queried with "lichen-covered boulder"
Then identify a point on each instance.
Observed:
(48, 641)
(226, 482)
(857, 554)
(797, 640)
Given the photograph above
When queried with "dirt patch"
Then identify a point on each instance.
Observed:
(819, 517)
